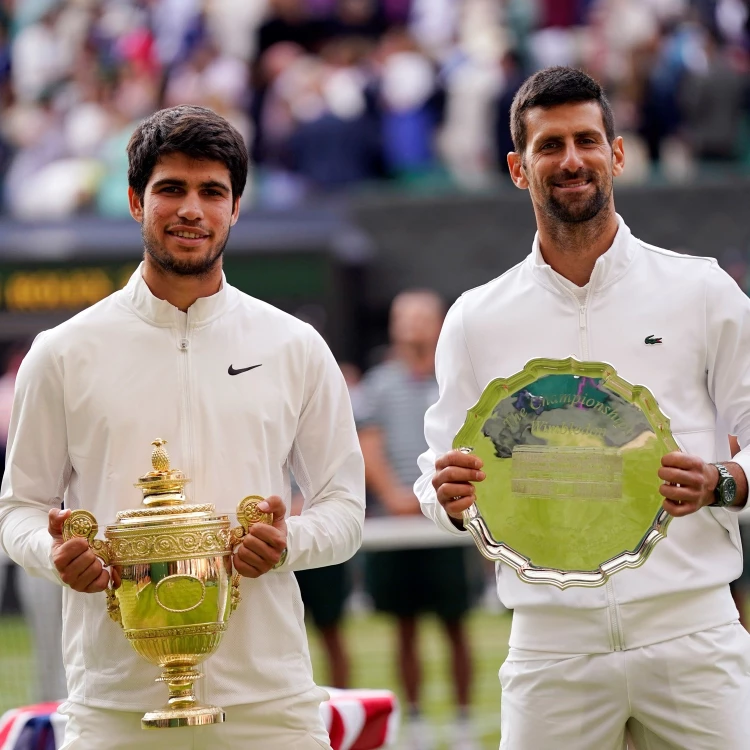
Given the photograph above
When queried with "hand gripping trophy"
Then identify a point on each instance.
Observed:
(176, 589)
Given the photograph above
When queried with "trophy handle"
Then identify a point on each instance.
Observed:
(81, 523)
(113, 606)
(235, 596)
(248, 515)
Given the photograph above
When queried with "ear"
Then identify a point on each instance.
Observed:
(618, 156)
(517, 172)
(136, 206)
(235, 212)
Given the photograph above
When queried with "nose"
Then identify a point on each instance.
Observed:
(190, 208)
(571, 158)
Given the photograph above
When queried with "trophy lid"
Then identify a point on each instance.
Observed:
(163, 496)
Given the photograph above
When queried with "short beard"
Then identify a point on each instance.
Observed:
(585, 212)
(170, 265)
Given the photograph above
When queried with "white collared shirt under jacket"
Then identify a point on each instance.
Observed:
(91, 396)
(700, 376)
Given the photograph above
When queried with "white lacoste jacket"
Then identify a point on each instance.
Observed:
(700, 376)
(91, 396)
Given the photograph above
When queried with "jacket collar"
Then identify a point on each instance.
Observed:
(161, 313)
(609, 266)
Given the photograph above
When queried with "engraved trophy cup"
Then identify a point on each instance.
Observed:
(177, 589)
(571, 453)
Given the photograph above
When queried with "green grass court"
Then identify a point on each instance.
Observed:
(370, 639)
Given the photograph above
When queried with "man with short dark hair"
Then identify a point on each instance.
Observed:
(658, 649)
(244, 393)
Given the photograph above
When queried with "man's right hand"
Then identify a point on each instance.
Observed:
(77, 565)
(454, 473)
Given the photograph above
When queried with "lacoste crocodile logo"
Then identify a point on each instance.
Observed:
(652, 340)
(232, 371)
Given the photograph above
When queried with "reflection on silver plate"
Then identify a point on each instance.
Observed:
(571, 453)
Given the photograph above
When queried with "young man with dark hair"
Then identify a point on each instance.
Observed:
(658, 649)
(244, 393)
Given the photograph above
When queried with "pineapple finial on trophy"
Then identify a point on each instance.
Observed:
(159, 456)
(162, 485)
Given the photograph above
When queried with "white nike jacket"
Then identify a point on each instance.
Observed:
(91, 396)
(700, 376)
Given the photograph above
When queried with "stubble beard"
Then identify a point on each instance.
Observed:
(197, 267)
(577, 212)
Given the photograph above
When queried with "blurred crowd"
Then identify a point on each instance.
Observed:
(332, 94)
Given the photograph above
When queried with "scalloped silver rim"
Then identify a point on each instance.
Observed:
(562, 579)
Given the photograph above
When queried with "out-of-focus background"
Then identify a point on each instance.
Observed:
(378, 130)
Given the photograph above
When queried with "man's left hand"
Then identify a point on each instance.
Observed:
(261, 548)
(689, 483)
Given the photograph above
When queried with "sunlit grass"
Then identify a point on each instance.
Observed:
(371, 641)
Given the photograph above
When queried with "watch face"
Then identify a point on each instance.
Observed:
(729, 490)
(727, 487)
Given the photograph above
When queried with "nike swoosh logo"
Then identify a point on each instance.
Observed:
(232, 371)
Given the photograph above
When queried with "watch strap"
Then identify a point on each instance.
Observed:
(721, 499)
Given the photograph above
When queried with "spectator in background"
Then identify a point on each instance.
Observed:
(410, 105)
(357, 18)
(209, 78)
(407, 583)
(661, 69)
(715, 103)
(335, 143)
(290, 21)
(472, 81)
(42, 57)
(513, 78)
(277, 73)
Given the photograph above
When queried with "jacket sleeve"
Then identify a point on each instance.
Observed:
(728, 358)
(37, 466)
(459, 391)
(327, 464)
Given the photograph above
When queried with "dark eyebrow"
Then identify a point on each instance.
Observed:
(209, 184)
(588, 134)
(578, 134)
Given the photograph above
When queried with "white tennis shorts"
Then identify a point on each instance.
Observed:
(292, 723)
(690, 693)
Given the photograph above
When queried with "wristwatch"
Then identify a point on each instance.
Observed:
(726, 489)
(282, 559)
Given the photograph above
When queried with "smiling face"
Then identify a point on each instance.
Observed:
(186, 213)
(568, 165)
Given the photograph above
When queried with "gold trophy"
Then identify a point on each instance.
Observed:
(177, 589)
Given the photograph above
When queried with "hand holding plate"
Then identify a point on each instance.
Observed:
(689, 483)
(454, 473)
